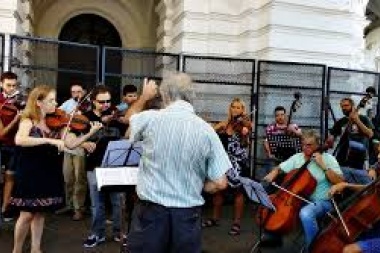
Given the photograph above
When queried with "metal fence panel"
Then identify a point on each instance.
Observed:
(218, 80)
(52, 62)
(2, 52)
(350, 83)
(122, 66)
(276, 85)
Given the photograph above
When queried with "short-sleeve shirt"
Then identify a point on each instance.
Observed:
(274, 129)
(180, 151)
(8, 139)
(110, 132)
(354, 134)
(323, 184)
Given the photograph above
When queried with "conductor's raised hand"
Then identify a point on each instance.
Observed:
(149, 89)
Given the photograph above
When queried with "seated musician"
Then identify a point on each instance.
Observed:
(279, 127)
(325, 170)
(352, 149)
(234, 135)
(368, 242)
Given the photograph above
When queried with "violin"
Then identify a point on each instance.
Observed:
(8, 110)
(13, 104)
(299, 182)
(359, 217)
(59, 119)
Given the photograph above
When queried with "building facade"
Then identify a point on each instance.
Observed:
(318, 31)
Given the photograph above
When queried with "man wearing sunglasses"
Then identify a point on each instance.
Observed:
(113, 129)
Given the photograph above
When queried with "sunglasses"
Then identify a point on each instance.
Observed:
(103, 101)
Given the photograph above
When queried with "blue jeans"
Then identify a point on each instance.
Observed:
(309, 215)
(358, 176)
(160, 229)
(98, 224)
(369, 241)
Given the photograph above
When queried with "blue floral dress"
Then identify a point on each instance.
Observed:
(238, 155)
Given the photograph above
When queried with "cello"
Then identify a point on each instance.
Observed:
(359, 217)
(298, 182)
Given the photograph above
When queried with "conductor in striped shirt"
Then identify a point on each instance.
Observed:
(182, 155)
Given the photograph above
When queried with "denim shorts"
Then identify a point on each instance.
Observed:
(7, 159)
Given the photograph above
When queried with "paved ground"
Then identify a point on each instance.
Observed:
(63, 235)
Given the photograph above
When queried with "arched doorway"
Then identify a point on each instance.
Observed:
(85, 29)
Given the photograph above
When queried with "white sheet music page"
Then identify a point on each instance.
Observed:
(116, 176)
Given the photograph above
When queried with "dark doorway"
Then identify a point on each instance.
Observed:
(82, 64)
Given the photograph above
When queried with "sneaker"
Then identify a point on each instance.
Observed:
(7, 216)
(78, 216)
(93, 240)
(117, 238)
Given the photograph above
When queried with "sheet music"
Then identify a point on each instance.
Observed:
(117, 176)
(257, 193)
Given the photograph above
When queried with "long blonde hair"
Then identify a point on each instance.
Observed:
(236, 100)
(32, 111)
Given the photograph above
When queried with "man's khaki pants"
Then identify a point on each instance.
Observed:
(75, 180)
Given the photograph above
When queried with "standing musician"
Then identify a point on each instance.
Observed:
(352, 149)
(77, 94)
(74, 171)
(369, 242)
(234, 134)
(113, 130)
(182, 155)
(39, 184)
(8, 128)
(324, 169)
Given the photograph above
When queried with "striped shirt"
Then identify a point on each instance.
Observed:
(180, 151)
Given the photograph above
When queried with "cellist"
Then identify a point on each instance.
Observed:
(368, 242)
(326, 171)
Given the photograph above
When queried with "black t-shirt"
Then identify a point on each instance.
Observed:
(347, 155)
(112, 131)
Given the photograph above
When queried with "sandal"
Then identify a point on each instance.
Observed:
(210, 223)
(235, 229)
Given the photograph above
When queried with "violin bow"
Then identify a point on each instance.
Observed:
(72, 113)
(340, 216)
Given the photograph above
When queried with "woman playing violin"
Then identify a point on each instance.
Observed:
(39, 184)
(368, 242)
(324, 168)
(234, 134)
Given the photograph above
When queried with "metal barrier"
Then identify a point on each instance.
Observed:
(217, 79)
(122, 66)
(276, 84)
(2, 52)
(53, 62)
(236, 76)
(351, 83)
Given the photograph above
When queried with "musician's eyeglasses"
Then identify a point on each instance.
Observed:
(103, 101)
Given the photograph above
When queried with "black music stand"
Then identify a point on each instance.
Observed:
(284, 146)
(256, 192)
(123, 153)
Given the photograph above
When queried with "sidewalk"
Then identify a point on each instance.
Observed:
(63, 235)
